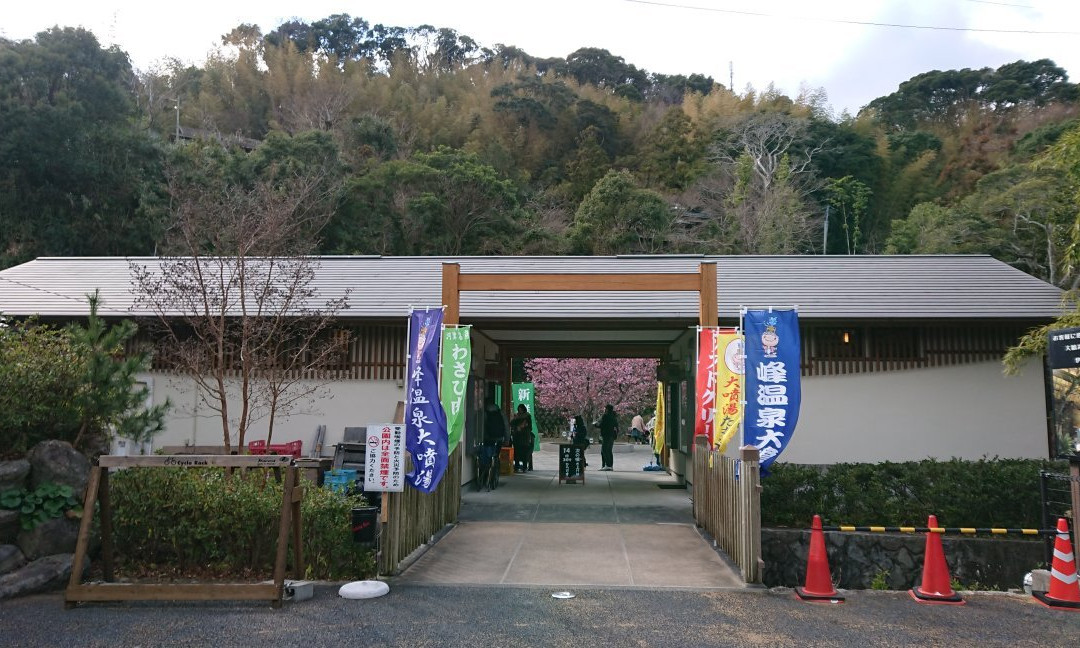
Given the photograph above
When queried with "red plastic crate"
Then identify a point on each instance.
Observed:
(292, 448)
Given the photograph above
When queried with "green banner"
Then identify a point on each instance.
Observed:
(456, 362)
(523, 395)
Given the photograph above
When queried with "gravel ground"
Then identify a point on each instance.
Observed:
(418, 616)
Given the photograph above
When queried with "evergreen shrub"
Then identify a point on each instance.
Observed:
(201, 520)
(984, 493)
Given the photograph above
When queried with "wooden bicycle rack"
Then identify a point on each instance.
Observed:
(97, 490)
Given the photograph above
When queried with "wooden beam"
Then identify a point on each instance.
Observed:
(585, 349)
(197, 461)
(451, 293)
(172, 592)
(707, 287)
(580, 282)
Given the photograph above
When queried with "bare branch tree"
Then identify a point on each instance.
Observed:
(768, 140)
(235, 301)
(756, 200)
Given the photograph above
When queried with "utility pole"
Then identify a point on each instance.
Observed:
(731, 75)
(825, 239)
(176, 140)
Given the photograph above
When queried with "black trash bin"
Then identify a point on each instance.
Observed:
(365, 524)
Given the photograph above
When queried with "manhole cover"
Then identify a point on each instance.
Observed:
(563, 595)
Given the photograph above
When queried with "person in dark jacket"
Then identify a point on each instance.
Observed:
(496, 430)
(581, 433)
(495, 434)
(581, 436)
(609, 428)
(522, 436)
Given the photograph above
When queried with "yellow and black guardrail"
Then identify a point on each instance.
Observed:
(942, 530)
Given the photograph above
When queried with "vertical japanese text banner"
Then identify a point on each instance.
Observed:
(729, 378)
(425, 423)
(523, 395)
(705, 411)
(773, 390)
(659, 425)
(456, 362)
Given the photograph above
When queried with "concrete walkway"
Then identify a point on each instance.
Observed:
(619, 528)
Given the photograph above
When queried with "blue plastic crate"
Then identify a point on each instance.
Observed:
(339, 480)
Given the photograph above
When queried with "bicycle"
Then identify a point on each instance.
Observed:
(486, 467)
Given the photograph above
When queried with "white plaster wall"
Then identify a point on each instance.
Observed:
(967, 411)
(344, 403)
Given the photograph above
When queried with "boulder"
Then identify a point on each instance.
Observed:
(60, 463)
(10, 558)
(48, 573)
(9, 526)
(13, 474)
(54, 536)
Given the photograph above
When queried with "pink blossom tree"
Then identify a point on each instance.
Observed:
(567, 387)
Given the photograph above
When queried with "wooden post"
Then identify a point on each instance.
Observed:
(707, 314)
(84, 532)
(750, 522)
(106, 527)
(297, 527)
(451, 295)
(283, 536)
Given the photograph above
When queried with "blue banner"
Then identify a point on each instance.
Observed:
(425, 422)
(773, 391)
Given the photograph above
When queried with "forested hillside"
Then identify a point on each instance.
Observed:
(421, 141)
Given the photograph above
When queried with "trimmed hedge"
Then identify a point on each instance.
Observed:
(202, 520)
(984, 493)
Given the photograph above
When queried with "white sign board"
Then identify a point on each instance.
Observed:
(384, 468)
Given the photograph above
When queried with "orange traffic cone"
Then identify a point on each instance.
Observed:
(819, 585)
(1064, 592)
(935, 587)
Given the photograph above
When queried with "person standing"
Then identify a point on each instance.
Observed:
(609, 428)
(522, 437)
(581, 437)
(495, 433)
(637, 428)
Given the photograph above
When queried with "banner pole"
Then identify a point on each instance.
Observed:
(408, 358)
(742, 383)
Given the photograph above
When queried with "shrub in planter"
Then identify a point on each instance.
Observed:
(983, 493)
(205, 520)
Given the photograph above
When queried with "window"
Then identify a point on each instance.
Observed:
(839, 343)
(894, 344)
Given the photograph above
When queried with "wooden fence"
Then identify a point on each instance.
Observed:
(729, 508)
(411, 518)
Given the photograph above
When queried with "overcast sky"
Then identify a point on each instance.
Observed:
(788, 43)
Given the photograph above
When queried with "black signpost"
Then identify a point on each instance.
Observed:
(571, 463)
(1063, 360)
(1063, 365)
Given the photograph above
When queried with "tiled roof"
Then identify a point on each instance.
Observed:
(823, 287)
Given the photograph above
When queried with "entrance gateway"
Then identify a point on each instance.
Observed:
(625, 528)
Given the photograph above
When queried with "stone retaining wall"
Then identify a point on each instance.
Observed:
(40, 558)
(855, 559)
